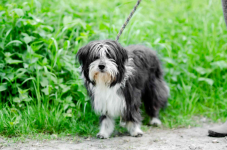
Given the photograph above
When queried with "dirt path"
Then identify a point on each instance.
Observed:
(154, 139)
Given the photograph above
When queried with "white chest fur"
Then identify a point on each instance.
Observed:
(107, 100)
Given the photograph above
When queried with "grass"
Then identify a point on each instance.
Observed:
(40, 86)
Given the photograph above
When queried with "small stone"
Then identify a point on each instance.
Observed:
(204, 119)
(88, 139)
(215, 141)
(192, 147)
(54, 135)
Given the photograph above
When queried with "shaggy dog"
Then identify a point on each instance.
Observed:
(118, 79)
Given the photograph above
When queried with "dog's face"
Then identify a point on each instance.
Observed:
(103, 62)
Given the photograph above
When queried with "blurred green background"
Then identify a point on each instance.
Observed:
(40, 86)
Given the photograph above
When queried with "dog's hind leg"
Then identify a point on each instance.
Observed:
(106, 127)
(155, 121)
(155, 96)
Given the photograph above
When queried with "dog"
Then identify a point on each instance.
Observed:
(118, 79)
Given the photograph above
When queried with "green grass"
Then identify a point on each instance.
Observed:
(40, 86)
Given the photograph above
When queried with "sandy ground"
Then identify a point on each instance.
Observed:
(154, 139)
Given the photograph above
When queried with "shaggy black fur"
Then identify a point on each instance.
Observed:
(146, 81)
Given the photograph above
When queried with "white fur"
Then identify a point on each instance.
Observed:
(129, 71)
(155, 121)
(108, 101)
(106, 128)
(134, 129)
(101, 49)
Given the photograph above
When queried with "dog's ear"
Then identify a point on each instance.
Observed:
(120, 51)
(122, 54)
(83, 57)
(82, 54)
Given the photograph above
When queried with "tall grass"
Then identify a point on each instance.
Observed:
(40, 85)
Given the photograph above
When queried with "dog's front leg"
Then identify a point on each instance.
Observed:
(106, 127)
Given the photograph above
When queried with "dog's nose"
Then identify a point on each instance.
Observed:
(101, 67)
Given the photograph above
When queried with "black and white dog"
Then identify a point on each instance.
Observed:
(117, 79)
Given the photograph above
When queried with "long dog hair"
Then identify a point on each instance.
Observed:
(118, 79)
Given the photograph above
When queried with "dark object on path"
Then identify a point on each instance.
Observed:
(224, 6)
(219, 131)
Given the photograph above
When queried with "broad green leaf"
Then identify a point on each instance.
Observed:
(219, 64)
(34, 60)
(2, 74)
(53, 78)
(27, 39)
(2, 65)
(45, 61)
(45, 90)
(65, 88)
(207, 80)
(65, 106)
(157, 40)
(67, 115)
(8, 32)
(19, 12)
(69, 98)
(28, 99)
(169, 61)
(13, 61)
(31, 78)
(203, 71)
(21, 91)
(17, 42)
(66, 45)
(8, 54)
(38, 4)
(3, 87)
(1, 12)
(44, 81)
(67, 20)
(79, 22)
(16, 100)
(25, 65)
(10, 76)
(47, 27)
(37, 45)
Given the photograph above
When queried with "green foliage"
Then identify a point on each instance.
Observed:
(37, 64)
(40, 85)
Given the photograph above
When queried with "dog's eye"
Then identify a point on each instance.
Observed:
(107, 55)
(96, 57)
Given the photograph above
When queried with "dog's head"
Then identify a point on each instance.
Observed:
(103, 62)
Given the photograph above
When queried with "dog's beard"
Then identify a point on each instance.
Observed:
(105, 77)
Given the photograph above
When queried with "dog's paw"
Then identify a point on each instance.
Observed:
(155, 122)
(137, 134)
(102, 136)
